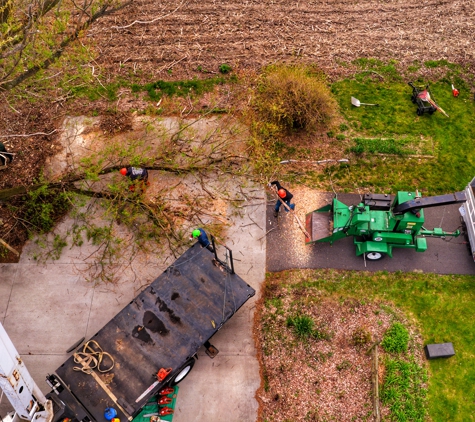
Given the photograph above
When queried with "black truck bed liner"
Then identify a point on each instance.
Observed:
(162, 327)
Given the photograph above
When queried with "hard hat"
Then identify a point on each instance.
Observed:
(282, 193)
(123, 171)
(110, 413)
(195, 233)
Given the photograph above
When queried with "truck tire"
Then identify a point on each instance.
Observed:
(374, 256)
(183, 372)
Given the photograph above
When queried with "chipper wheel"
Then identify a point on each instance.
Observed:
(374, 256)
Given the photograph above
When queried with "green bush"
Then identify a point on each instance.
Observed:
(295, 97)
(43, 207)
(302, 324)
(225, 68)
(395, 339)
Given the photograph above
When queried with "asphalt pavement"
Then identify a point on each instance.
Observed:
(286, 243)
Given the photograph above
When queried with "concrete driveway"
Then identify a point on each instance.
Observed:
(46, 308)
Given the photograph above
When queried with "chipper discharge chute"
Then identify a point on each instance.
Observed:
(379, 223)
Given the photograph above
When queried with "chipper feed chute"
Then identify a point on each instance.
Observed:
(326, 224)
(318, 224)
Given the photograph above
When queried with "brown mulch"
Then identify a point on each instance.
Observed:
(316, 379)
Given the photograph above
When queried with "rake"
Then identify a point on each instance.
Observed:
(425, 96)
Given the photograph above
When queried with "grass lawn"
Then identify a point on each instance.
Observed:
(448, 140)
(390, 147)
(441, 305)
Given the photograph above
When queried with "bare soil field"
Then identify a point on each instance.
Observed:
(181, 40)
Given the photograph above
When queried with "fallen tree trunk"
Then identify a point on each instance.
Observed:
(67, 182)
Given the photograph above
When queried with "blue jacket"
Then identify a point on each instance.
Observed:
(203, 238)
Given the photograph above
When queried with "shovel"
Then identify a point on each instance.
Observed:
(357, 103)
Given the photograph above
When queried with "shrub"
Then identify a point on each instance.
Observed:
(225, 68)
(360, 337)
(396, 338)
(304, 327)
(43, 207)
(295, 97)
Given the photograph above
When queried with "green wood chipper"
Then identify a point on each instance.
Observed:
(379, 223)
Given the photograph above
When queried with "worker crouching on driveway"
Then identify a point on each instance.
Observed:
(136, 173)
(202, 237)
(285, 195)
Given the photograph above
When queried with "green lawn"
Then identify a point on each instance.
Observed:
(441, 305)
(449, 140)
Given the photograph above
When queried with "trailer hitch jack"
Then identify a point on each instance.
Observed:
(211, 351)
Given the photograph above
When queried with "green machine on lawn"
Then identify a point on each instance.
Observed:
(379, 223)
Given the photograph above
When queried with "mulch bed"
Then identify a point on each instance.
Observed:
(317, 379)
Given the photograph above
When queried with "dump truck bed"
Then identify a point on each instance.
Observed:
(162, 327)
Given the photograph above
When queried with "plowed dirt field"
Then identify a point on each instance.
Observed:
(175, 40)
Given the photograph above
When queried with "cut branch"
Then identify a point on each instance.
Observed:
(29, 134)
(148, 22)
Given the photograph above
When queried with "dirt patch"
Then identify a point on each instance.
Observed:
(112, 123)
(317, 378)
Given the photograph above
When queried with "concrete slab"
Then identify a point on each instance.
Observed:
(224, 388)
(48, 309)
